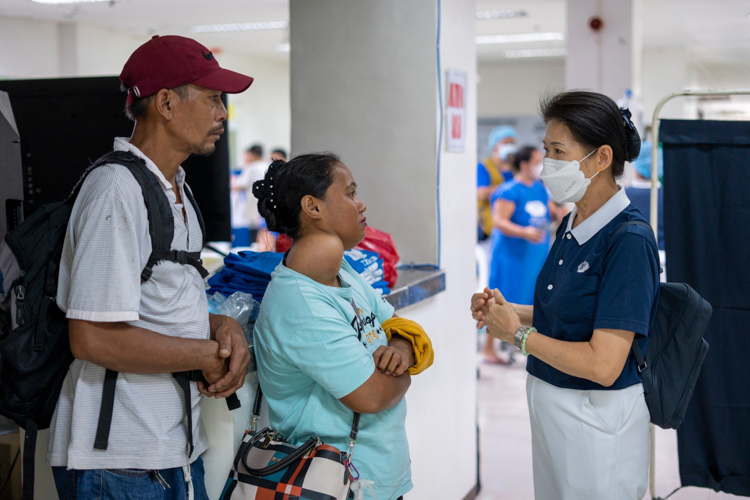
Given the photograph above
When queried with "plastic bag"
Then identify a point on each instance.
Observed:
(241, 307)
(382, 243)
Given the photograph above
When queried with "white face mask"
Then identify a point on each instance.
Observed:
(565, 180)
(536, 171)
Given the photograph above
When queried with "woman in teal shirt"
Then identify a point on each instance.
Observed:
(318, 362)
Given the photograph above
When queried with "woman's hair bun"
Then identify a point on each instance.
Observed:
(265, 191)
(633, 146)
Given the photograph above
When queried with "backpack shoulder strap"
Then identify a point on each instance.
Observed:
(635, 348)
(622, 227)
(189, 195)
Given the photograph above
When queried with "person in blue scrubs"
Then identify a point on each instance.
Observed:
(596, 294)
(521, 215)
(322, 354)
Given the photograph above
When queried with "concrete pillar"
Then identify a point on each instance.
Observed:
(364, 84)
(603, 60)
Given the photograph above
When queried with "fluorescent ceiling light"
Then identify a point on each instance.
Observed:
(500, 14)
(56, 2)
(284, 47)
(513, 54)
(519, 38)
(219, 28)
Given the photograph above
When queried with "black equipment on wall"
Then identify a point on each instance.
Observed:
(11, 187)
(66, 124)
(707, 239)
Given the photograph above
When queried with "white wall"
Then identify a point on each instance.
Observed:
(262, 114)
(29, 49)
(513, 88)
(665, 70)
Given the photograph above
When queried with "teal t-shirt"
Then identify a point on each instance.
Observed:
(309, 356)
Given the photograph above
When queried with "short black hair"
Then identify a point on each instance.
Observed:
(281, 191)
(523, 154)
(595, 120)
(279, 152)
(139, 107)
(256, 149)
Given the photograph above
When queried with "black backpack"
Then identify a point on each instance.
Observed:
(676, 349)
(34, 347)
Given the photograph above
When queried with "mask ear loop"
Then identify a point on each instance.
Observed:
(579, 163)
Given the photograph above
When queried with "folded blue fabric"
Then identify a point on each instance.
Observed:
(250, 272)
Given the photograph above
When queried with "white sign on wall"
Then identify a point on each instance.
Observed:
(456, 111)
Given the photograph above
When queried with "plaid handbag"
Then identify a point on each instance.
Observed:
(268, 468)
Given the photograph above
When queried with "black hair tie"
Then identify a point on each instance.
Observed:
(631, 134)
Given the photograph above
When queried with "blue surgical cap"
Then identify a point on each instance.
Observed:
(642, 164)
(500, 133)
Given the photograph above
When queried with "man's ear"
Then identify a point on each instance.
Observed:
(311, 207)
(163, 100)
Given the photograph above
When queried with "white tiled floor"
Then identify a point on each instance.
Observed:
(505, 442)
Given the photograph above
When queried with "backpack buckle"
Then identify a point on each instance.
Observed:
(642, 367)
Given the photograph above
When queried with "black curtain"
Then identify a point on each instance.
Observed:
(707, 239)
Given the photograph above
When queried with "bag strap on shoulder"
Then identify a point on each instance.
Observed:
(635, 348)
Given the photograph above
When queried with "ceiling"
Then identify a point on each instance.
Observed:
(715, 32)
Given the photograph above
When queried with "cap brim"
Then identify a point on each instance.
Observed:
(225, 80)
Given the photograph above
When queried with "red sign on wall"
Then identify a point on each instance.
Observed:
(456, 111)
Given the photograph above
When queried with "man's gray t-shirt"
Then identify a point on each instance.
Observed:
(106, 246)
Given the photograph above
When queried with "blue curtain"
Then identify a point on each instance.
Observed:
(707, 240)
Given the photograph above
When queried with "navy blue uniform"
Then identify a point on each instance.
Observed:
(590, 282)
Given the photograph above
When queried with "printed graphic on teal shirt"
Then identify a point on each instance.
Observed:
(309, 348)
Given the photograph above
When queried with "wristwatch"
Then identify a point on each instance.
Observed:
(518, 336)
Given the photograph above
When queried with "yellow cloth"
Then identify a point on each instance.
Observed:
(421, 343)
(485, 210)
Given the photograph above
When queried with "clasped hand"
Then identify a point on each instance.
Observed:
(489, 308)
(229, 366)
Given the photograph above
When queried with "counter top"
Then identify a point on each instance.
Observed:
(415, 285)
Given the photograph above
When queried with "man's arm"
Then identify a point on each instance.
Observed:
(125, 348)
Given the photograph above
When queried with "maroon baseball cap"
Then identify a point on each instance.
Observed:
(166, 62)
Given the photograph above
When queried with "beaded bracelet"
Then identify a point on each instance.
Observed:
(524, 339)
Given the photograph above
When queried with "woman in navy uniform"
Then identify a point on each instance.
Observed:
(595, 296)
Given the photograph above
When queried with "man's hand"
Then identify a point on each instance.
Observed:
(214, 369)
(395, 358)
(232, 348)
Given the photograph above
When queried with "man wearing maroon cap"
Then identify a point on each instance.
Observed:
(144, 331)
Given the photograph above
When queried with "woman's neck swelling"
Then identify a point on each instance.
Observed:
(318, 256)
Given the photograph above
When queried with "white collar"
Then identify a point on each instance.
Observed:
(123, 144)
(596, 221)
(643, 184)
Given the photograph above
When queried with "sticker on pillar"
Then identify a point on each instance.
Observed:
(456, 111)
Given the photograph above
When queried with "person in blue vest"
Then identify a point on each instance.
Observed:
(521, 215)
(596, 294)
(639, 190)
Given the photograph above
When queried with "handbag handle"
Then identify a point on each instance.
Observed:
(283, 463)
